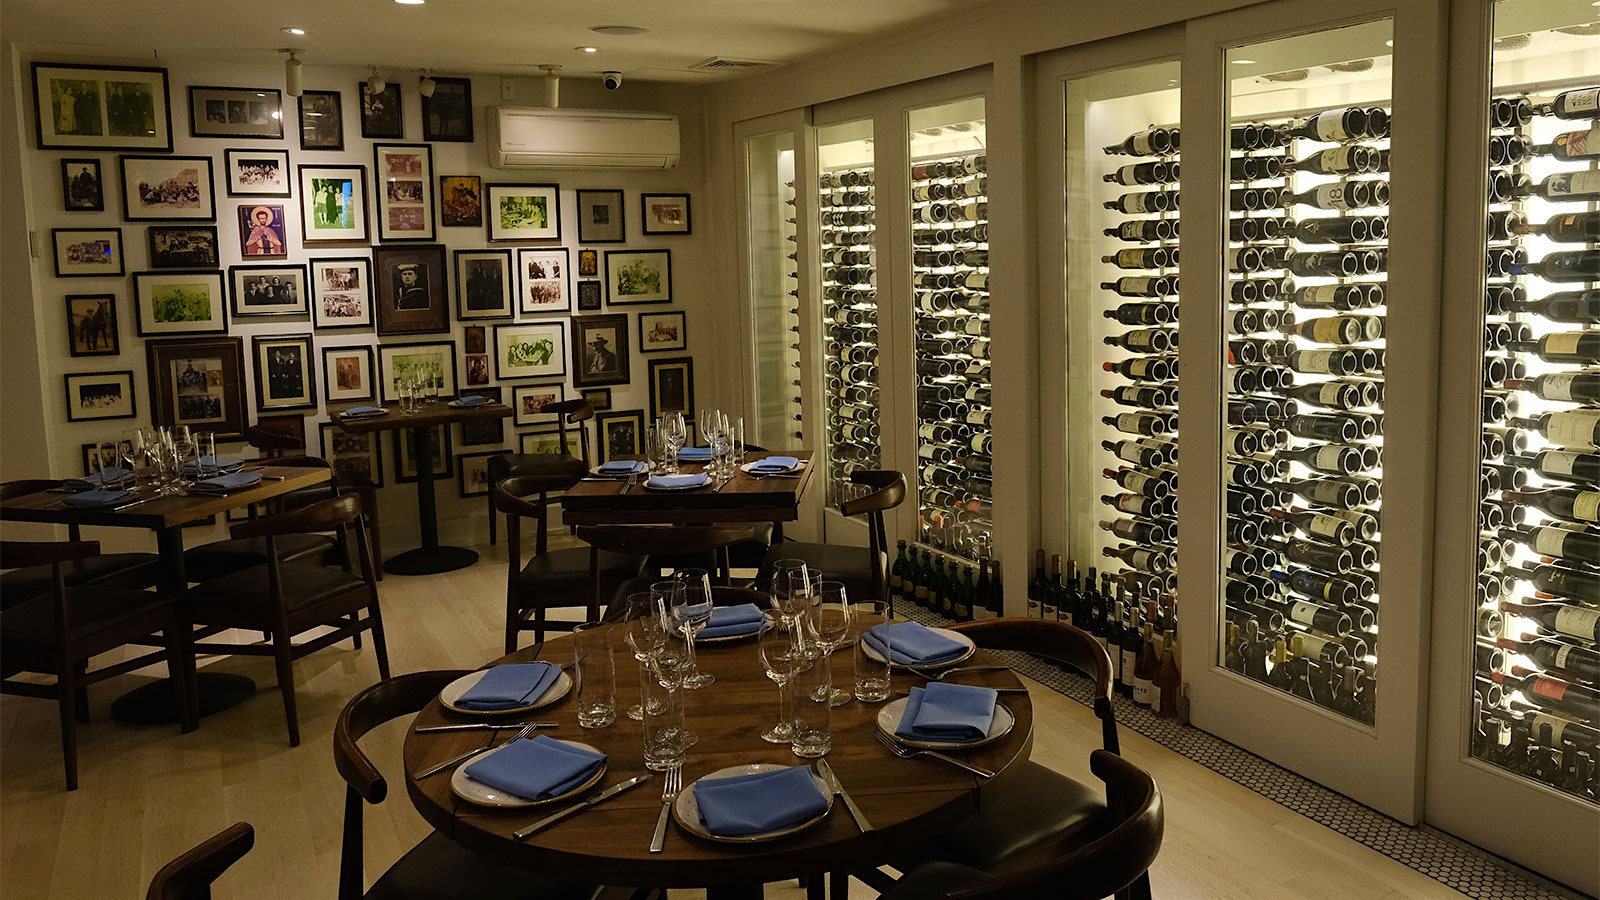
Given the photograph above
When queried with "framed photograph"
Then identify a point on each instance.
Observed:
(447, 112)
(662, 331)
(544, 441)
(599, 398)
(321, 120)
(268, 291)
(460, 201)
(639, 276)
(82, 186)
(433, 363)
(599, 351)
(531, 350)
(588, 263)
(100, 395)
(524, 212)
(380, 112)
(92, 325)
(341, 293)
(87, 252)
(672, 387)
(235, 112)
(106, 108)
(474, 473)
(356, 458)
(167, 187)
(542, 281)
(346, 374)
(665, 213)
(620, 434)
(183, 246)
(477, 365)
(404, 176)
(484, 285)
(600, 217)
(405, 452)
(529, 401)
(286, 375)
(589, 295)
(257, 173)
(289, 425)
(475, 339)
(198, 382)
(262, 232)
(90, 450)
(484, 432)
(333, 205)
(413, 292)
(179, 303)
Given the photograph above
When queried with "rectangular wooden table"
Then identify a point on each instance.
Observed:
(743, 499)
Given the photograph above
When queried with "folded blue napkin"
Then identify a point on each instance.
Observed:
(537, 768)
(210, 462)
(775, 464)
(755, 804)
(509, 686)
(912, 644)
(694, 453)
(108, 475)
(96, 499)
(678, 481)
(470, 400)
(623, 467)
(726, 621)
(947, 712)
(365, 411)
(222, 484)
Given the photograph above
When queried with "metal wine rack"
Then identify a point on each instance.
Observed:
(793, 416)
(849, 325)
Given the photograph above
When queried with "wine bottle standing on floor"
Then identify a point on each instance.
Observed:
(1038, 587)
(897, 572)
(1167, 681)
(1145, 668)
(1131, 643)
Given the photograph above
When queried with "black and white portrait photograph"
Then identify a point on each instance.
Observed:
(321, 121)
(183, 246)
(447, 111)
(284, 371)
(413, 291)
(167, 187)
(672, 386)
(92, 325)
(380, 112)
(100, 395)
(81, 187)
(484, 285)
(621, 434)
(600, 350)
(269, 290)
(258, 173)
(341, 293)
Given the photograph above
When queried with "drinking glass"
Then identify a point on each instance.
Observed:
(643, 634)
(872, 672)
(665, 740)
(668, 666)
(828, 618)
(781, 656)
(656, 447)
(432, 381)
(737, 435)
(103, 463)
(205, 448)
(676, 433)
(179, 451)
(596, 673)
(791, 585)
(692, 613)
(812, 693)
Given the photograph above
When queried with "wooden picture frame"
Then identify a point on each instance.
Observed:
(599, 398)
(664, 214)
(477, 369)
(485, 288)
(92, 325)
(619, 434)
(413, 289)
(101, 107)
(258, 173)
(663, 331)
(541, 441)
(639, 276)
(228, 112)
(542, 281)
(435, 362)
(321, 120)
(523, 212)
(672, 387)
(347, 374)
(356, 458)
(588, 263)
(341, 293)
(590, 295)
(268, 291)
(473, 473)
(594, 362)
(381, 115)
(447, 112)
(403, 175)
(100, 395)
(601, 217)
(484, 432)
(198, 382)
(460, 201)
(87, 252)
(528, 402)
(183, 246)
(83, 190)
(405, 469)
(333, 205)
(180, 303)
(536, 349)
(263, 231)
(285, 372)
(158, 188)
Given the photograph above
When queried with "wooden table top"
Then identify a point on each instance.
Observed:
(440, 413)
(906, 800)
(743, 499)
(162, 512)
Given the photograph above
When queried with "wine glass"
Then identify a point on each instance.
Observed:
(670, 664)
(179, 451)
(642, 630)
(791, 584)
(676, 433)
(692, 613)
(782, 654)
(828, 617)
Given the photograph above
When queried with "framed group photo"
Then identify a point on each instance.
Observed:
(257, 173)
(286, 373)
(599, 398)
(600, 351)
(100, 395)
(198, 382)
(639, 276)
(102, 108)
(224, 112)
(182, 246)
(404, 177)
(542, 281)
(263, 233)
(662, 331)
(179, 303)
(528, 402)
(672, 387)
(484, 285)
(347, 374)
(460, 201)
(87, 252)
(665, 213)
(355, 458)
(523, 212)
(268, 291)
(380, 112)
(167, 187)
(341, 293)
(321, 120)
(92, 325)
(531, 350)
(413, 289)
(432, 364)
(619, 434)
(447, 112)
(333, 204)
(601, 218)
(82, 186)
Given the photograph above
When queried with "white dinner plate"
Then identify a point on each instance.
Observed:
(683, 487)
(748, 469)
(595, 471)
(380, 411)
(687, 810)
(453, 691)
(484, 795)
(728, 638)
(953, 635)
(889, 719)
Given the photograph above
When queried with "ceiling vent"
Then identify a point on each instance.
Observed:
(724, 64)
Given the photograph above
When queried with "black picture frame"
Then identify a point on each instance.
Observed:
(522, 212)
(341, 292)
(416, 305)
(321, 120)
(664, 214)
(484, 432)
(591, 295)
(602, 218)
(231, 112)
(404, 455)
(87, 252)
(333, 205)
(101, 122)
(402, 176)
(276, 290)
(528, 402)
(447, 113)
(183, 246)
(152, 190)
(460, 201)
(258, 173)
(342, 367)
(594, 363)
(619, 434)
(381, 114)
(473, 477)
(485, 285)
(285, 372)
(638, 277)
(212, 396)
(92, 396)
(92, 325)
(672, 387)
(661, 332)
(85, 189)
(599, 398)
(356, 457)
(172, 302)
(588, 263)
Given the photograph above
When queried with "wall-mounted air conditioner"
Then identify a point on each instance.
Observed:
(582, 139)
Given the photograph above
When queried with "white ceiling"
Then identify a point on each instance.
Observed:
(511, 37)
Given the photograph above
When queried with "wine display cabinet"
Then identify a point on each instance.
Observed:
(772, 257)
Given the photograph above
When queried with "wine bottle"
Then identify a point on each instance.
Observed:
(1570, 228)
(1144, 340)
(1145, 559)
(1144, 173)
(897, 571)
(1579, 622)
(1128, 642)
(1559, 581)
(1051, 602)
(1580, 663)
(1346, 160)
(1337, 230)
(1140, 313)
(1581, 103)
(1144, 668)
(1338, 589)
(1333, 459)
(1567, 265)
(1150, 142)
(1319, 525)
(1570, 428)
(1341, 196)
(1337, 125)
(1340, 297)
(1143, 258)
(1038, 586)
(1145, 230)
(1143, 368)
(1317, 555)
(1554, 694)
(1142, 286)
(1551, 540)
(1138, 482)
(1139, 505)
(1576, 347)
(1564, 187)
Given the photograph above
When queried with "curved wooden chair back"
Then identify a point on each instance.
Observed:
(25, 486)
(571, 412)
(888, 490)
(274, 442)
(663, 540)
(189, 876)
(526, 496)
(326, 515)
(724, 595)
(1061, 643)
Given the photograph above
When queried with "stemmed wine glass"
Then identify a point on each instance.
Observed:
(676, 434)
(670, 664)
(692, 613)
(782, 653)
(791, 585)
(828, 616)
(642, 630)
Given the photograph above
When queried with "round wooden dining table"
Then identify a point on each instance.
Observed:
(909, 802)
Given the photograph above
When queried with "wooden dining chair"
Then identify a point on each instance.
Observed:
(284, 599)
(59, 632)
(276, 447)
(506, 465)
(128, 570)
(1115, 862)
(437, 867)
(700, 544)
(189, 877)
(218, 558)
(550, 579)
(863, 570)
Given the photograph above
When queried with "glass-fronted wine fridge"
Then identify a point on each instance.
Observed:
(774, 287)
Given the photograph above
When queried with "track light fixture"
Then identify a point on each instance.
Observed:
(375, 83)
(291, 74)
(426, 85)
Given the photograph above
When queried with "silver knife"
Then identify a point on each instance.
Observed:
(523, 833)
(838, 789)
(483, 726)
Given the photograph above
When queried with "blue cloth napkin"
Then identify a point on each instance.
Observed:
(947, 712)
(755, 804)
(108, 475)
(537, 768)
(678, 481)
(365, 411)
(210, 462)
(726, 621)
(694, 453)
(509, 686)
(775, 464)
(223, 484)
(470, 400)
(623, 467)
(95, 499)
(912, 644)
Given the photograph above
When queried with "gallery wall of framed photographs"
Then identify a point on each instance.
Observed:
(298, 253)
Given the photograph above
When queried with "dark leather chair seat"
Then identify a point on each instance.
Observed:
(219, 558)
(836, 562)
(934, 879)
(567, 571)
(134, 570)
(1058, 811)
(244, 597)
(27, 630)
(441, 869)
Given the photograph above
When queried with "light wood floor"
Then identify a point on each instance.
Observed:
(149, 793)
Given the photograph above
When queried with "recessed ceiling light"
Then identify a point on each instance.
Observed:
(1243, 62)
(588, 49)
(410, 2)
(618, 29)
(292, 30)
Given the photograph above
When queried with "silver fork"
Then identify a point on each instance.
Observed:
(905, 752)
(936, 675)
(669, 792)
(435, 769)
(633, 478)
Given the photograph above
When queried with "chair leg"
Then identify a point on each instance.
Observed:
(377, 541)
(1140, 889)
(379, 643)
(67, 697)
(82, 698)
(838, 885)
(283, 653)
(355, 638)
(538, 625)
(177, 674)
(492, 518)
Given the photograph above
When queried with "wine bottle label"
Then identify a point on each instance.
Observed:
(1586, 506)
(1560, 661)
(1572, 183)
(1328, 457)
(1583, 101)
(1320, 295)
(1577, 621)
(1315, 360)
(1330, 127)
(1326, 526)
(1566, 342)
(1303, 612)
(1549, 688)
(1570, 429)
(1549, 541)
(1558, 386)
(1558, 727)
(1142, 691)
(1130, 659)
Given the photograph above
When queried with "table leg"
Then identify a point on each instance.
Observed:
(735, 892)
(430, 558)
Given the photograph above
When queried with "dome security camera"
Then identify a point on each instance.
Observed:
(612, 80)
